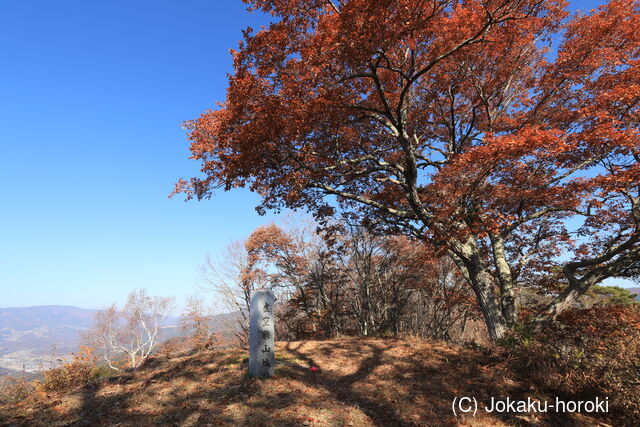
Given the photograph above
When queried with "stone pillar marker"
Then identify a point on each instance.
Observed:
(262, 359)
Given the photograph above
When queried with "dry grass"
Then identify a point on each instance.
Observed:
(360, 382)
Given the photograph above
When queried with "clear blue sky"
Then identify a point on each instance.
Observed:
(92, 95)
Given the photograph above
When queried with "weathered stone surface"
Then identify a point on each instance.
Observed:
(262, 358)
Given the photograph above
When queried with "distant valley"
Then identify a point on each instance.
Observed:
(37, 338)
(32, 338)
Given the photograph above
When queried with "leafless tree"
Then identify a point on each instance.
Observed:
(229, 280)
(131, 333)
(195, 323)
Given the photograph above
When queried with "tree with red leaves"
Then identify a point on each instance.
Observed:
(450, 121)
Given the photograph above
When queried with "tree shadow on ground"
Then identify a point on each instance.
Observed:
(358, 382)
(434, 384)
(203, 403)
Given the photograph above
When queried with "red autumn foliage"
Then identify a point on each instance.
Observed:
(450, 121)
(351, 282)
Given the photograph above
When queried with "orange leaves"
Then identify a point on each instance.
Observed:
(86, 354)
(448, 121)
(319, 88)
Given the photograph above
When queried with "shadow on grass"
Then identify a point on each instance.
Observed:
(390, 383)
(342, 388)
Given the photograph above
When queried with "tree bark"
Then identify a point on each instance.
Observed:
(468, 259)
(505, 279)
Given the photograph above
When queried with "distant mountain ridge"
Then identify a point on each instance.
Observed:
(33, 338)
(27, 318)
(635, 291)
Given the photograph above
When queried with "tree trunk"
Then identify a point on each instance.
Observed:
(467, 258)
(491, 310)
(507, 295)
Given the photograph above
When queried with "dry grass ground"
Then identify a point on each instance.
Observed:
(359, 382)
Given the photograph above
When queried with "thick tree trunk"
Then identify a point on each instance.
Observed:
(468, 259)
(491, 309)
(505, 279)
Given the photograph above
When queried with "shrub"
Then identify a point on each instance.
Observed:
(589, 353)
(15, 390)
(78, 372)
(611, 295)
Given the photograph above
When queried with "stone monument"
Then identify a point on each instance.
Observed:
(262, 359)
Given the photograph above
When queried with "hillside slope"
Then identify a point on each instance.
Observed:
(360, 382)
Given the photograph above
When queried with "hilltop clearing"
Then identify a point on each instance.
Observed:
(358, 382)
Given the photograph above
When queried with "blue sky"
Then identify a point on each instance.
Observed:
(92, 96)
